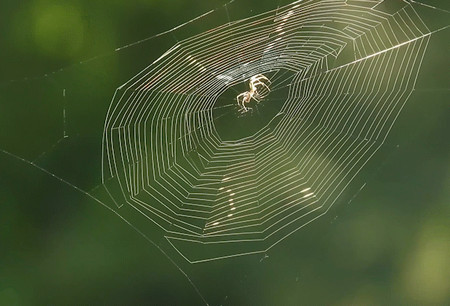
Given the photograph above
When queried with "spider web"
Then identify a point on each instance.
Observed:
(202, 182)
(341, 72)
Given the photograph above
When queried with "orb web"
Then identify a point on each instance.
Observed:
(340, 71)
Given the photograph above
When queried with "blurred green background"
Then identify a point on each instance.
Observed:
(389, 244)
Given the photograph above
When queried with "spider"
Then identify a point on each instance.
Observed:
(259, 89)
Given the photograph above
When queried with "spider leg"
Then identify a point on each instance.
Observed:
(260, 77)
(241, 100)
(264, 92)
(262, 84)
(257, 97)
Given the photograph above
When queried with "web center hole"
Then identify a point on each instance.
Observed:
(240, 112)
